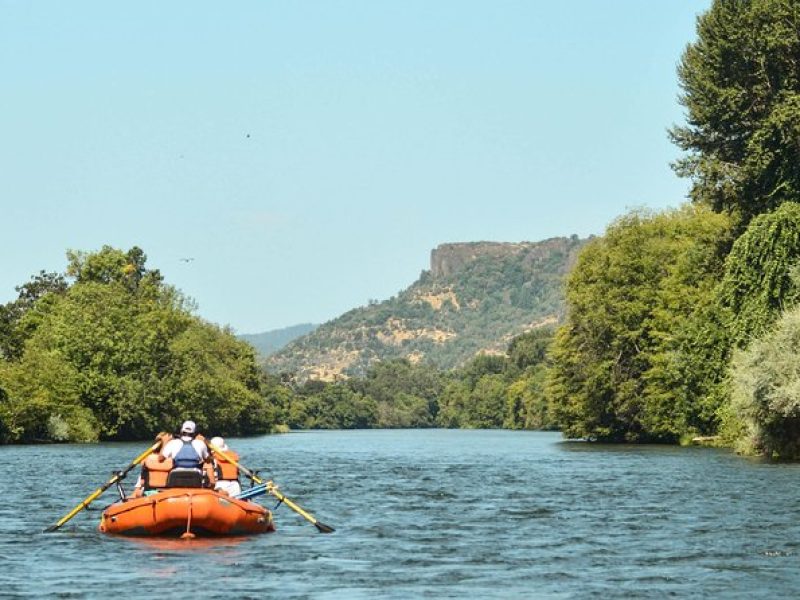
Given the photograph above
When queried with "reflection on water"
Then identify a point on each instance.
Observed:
(428, 514)
(215, 545)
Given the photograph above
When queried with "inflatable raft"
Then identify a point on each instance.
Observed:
(186, 512)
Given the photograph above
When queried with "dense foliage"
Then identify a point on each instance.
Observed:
(659, 305)
(119, 355)
(629, 296)
(109, 351)
(766, 390)
(741, 90)
(759, 277)
(491, 391)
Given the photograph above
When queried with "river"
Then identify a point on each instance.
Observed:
(426, 514)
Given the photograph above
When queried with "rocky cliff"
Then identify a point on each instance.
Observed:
(449, 259)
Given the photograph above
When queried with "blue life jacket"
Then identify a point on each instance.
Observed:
(187, 457)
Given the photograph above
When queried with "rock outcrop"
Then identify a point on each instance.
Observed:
(449, 259)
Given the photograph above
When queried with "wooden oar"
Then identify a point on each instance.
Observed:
(94, 495)
(272, 489)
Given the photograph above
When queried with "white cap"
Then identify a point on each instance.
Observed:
(219, 443)
(188, 427)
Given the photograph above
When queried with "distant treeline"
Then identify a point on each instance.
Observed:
(491, 391)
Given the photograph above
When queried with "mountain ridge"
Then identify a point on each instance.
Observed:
(474, 299)
(269, 342)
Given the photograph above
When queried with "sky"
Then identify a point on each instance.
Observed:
(308, 156)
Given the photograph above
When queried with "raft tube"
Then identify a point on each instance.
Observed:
(186, 512)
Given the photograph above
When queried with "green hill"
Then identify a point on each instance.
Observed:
(270, 342)
(475, 298)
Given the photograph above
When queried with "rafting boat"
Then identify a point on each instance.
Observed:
(186, 512)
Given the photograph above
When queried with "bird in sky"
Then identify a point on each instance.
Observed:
(187, 260)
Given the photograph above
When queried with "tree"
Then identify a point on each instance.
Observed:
(486, 403)
(407, 394)
(527, 405)
(530, 348)
(629, 296)
(761, 272)
(741, 90)
(118, 355)
(335, 406)
(452, 405)
(111, 265)
(766, 390)
(12, 335)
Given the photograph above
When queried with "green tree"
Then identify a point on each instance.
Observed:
(530, 348)
(335, 406)
(118, 355)
(407, 394)
(527, 405)
(766, 390)
(741, 90)
(760, 273)
(629, 295)
(12, 333)
(453, 405)
(403, 411)
(486, 403)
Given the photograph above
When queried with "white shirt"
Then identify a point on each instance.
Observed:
(174, 446)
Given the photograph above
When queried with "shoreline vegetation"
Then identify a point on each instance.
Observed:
(681, 325)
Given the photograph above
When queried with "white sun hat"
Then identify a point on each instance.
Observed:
(219, 443)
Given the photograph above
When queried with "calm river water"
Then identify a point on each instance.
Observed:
(427, 514)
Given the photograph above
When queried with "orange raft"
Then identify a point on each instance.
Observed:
(181, 511)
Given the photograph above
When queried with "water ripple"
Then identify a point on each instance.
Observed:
(429, 514)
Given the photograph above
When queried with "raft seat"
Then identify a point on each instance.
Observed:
(185, 478)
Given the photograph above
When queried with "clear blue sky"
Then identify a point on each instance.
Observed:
(309, 155)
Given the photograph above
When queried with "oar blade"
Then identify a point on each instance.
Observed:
(322, 528)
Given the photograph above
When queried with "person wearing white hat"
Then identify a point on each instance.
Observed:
(227, 474)
(188, 451)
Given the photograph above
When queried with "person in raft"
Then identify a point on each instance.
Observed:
(154, 473)
(188, 452)
(227, 474)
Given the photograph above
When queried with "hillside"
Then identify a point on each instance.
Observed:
(475, 298)
(270, 342)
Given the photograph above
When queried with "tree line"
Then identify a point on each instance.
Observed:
(490, 391)
(109, 351)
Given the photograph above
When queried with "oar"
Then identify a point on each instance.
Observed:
(252, 492)
(92, 497)
(321, 527)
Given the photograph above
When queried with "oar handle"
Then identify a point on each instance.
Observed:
(94, 495)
